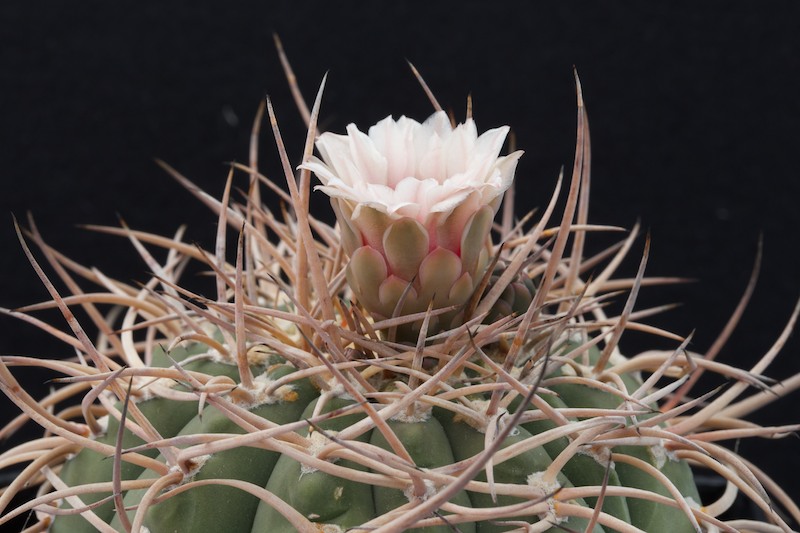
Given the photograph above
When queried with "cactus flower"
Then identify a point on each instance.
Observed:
(415, 204)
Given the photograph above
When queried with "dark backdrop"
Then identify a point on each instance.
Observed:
(693, 108)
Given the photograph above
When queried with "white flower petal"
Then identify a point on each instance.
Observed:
(459, 148)
(366, 157)
(319, 168)
(335, 151)
(487, 148)
(394, 140)
(404, 168)
(507, 166)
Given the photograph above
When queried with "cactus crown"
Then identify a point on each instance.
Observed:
(375, 381)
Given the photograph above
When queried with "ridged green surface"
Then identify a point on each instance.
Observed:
(432, 442)
(332, 499)
(168, 418)
(429, 446)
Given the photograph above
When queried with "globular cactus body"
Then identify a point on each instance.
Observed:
(434, 438)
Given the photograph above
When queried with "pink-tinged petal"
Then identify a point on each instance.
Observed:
(460, 147)
(405, 244)
(406, 209)
(417, 192)
(432, 164)
(453, 199)
(335, 151)
(336, 188)
(395, 141)
(374, 197)
(507, 166)
(331, 144)
(350, 175)
(486, 152)
(369, 161)
(406, 190)
(438, 124)
(407, 127)
(320, 169)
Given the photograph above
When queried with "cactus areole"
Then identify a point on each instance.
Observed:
(420, 366)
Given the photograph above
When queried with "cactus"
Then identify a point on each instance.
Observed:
(417, 367)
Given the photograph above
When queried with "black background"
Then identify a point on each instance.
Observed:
(693, 109)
